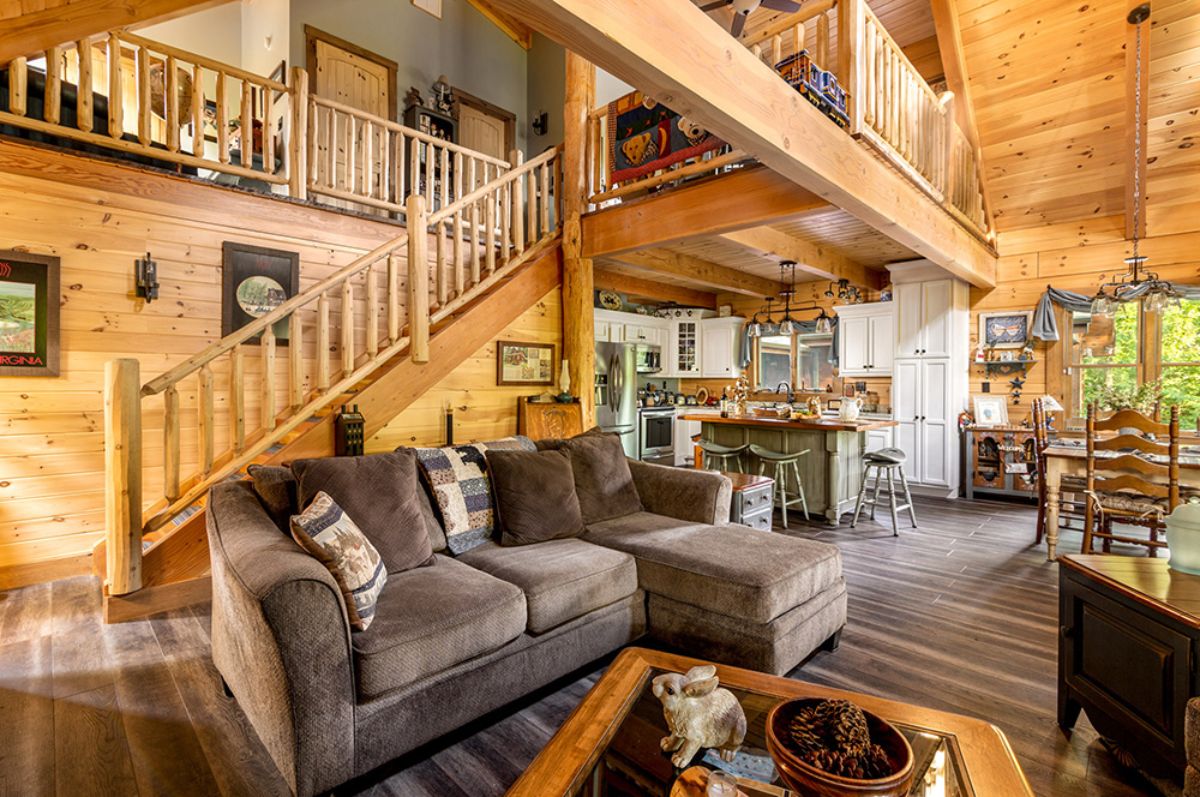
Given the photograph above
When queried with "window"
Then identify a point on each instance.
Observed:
(802, 361)
(774, 361)
(1135, 347)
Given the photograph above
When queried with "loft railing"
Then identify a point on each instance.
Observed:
(360, 318)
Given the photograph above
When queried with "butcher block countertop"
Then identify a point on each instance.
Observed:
(803, 425)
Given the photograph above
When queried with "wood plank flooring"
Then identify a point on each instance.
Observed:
(959, 614)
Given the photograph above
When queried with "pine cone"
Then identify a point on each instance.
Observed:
(833, 735)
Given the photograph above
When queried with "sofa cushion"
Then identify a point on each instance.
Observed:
(431, 618)
(380, 492)
(730, 569)
(603, 481)
(561, 579)
(329, 534)
(276, 489)
(457, 477)
(535, 496)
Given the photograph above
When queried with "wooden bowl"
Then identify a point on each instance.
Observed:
(810, 780)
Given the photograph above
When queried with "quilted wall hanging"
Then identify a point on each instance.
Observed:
(645, 136)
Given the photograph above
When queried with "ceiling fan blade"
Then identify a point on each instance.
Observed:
(714, 6)
(739, 24)
(787, 6)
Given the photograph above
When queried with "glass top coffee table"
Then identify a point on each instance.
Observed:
(610, 743)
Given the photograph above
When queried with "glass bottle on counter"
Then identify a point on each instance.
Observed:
(725, 402)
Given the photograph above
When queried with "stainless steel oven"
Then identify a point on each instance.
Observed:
(656, 435)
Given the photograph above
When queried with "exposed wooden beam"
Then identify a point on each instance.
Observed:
(678, 56)
(615, 276)
(812, 258)
(36, 31)
(954, 67)
(514, 28)
(1136, 98)
(744, 198)
(700, 272)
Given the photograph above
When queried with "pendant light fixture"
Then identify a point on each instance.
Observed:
(788, 325)
(1137, 282)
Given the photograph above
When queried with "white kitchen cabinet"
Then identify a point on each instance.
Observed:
(921, 405)
(603, 331)
(684, 447)
(878, 439)
(720, 341)
(866, 339)
(682, 358)
(924, 318)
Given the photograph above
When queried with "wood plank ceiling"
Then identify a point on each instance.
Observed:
(1048, 83)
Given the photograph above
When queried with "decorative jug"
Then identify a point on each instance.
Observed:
(850, 409)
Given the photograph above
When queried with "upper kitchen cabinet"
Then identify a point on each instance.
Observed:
(866, 339)
(720, 342)
(924, 311)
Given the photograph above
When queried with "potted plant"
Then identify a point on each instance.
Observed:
(1143, 398)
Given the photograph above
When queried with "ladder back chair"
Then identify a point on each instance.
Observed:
(1138, 484)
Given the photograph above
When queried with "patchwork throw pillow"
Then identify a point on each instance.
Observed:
(381, 493)
(603, 480)
(535, 496)
(457, 476)
(328, 533)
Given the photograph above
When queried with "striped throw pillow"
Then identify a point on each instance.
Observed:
(328, 533)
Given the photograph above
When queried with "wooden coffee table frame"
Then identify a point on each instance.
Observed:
(568, 760)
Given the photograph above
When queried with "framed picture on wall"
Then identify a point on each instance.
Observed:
(29, 305)
(524, 364)
(991, 411)
(1004, 330)
(254, 281)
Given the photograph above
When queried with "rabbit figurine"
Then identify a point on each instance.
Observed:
(699, 715)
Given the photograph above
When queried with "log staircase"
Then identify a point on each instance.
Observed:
(432, 296)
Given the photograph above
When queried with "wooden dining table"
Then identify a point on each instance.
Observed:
(1065, 459)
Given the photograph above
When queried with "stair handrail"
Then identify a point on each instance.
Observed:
(483, 190)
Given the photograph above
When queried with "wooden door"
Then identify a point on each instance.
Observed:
(360, 79)
(937, 304)
(482, 132)
(935, 429)
(908, 319)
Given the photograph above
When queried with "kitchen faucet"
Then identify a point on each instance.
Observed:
(791, 394)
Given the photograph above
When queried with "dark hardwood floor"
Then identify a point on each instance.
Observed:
(959, 614)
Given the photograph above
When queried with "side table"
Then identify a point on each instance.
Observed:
(753, 500)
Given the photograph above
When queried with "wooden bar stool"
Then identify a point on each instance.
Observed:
(890, 461)
(780, 464)
(719, 457)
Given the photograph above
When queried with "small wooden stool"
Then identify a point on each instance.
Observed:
(753, 500)
(890, 461)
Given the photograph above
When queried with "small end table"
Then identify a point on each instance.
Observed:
(753, 500)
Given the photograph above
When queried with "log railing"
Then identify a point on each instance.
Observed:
(359, 318)
(360, 158)
(160, 100)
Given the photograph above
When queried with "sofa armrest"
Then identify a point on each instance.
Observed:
(281, 641)
(700, 496)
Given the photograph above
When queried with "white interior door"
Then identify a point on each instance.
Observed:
(906, 403)
(935, 429)
(908, 319)
(937, 301)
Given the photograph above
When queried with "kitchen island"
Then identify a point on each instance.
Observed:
(832, 469)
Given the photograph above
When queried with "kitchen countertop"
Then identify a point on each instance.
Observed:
(804, 425)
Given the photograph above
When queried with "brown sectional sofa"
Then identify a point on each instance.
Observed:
(465, 635)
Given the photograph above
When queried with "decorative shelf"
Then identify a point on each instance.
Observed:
(1006, 367)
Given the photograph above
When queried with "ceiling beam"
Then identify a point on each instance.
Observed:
(36, 31)
(673, 52)
(954, 67)
(699, 272)
(514, 28)
(618, 277)
(743, 198)
(812, 258)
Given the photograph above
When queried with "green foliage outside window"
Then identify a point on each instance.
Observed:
(1181, 361)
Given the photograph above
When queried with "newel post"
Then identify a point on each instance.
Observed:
(852, 48)
(418, 278)
(298, 138)
(123, 475)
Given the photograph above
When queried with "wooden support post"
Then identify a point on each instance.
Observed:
(347, 321)
(296, 359)
(267, 349)
(237, 399)
(18, 86)
(204, 417)
(83, 102)
(372, 313)
(54, 64)
(323, 342)
(171, 443)
(222, 117)
(578, 279)
(246, 119)
(198, 111)
(123, 482)
(143, 93)
(822, 57)
(516, 157)
(489, 232)
(393, 298)
(418, 279)
(852, 67)
(174, 121)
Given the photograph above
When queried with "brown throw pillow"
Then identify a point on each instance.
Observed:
(603, 480)
(380, 492)
(535, 496)
(275, 487)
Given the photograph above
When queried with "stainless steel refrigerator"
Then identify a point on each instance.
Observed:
(616, 393)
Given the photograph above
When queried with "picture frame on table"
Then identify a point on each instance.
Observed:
(29, 314)
(1005, 329)
(991, 411)
(254, 281)
(524, 364)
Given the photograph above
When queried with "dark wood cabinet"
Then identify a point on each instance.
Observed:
(1126, 656)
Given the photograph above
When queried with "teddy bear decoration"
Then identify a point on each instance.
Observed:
(699, 714)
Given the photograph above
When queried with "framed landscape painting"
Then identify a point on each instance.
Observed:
(29, 305)
(524, 363)
(254, 281)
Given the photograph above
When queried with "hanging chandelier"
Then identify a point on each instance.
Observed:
(1137, 282)
(787, 325)
(845, 291)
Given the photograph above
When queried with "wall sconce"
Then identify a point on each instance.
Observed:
(145, 277)
(541, 123)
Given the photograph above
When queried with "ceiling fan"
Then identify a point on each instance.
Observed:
(742, 9)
